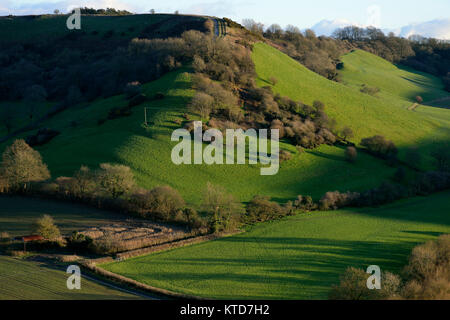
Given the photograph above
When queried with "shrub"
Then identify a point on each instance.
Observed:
(347, 133)
(79, 242)
(335, 200)
(351, 154)
(84, 183)
(430, 182)
(22, 165)
(378, 145)
(115, 180)
(198, 64)
(164, 202)
(192, 218)
(273, 80)
(353, 286)
(369, 90)
(305, 203)
(202, 104)
(427, 273)
(46, 227)
(426, 276)
(105, 245)
(222, 208)
(319, 105)
(261, 209)
(285, 156)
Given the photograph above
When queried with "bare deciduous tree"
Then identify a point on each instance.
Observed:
(202, 104)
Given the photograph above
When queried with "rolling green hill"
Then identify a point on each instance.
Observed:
(387, 114)
(395, 82)
(83, 141)
(298, 257)
(29, 29)
(147, 151)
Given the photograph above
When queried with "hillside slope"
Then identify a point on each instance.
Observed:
(147, 150)
(367, 115)
(30, 29)
(395, 82)
(85, 140)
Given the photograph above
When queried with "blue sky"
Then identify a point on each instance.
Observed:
(304, 14)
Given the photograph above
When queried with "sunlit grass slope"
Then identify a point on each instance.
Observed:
(394, 82)
(28, 280)
(367, 115)
(148, 151)
(298, 257)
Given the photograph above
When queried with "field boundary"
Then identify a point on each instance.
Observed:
(136, 284)
(92, 265)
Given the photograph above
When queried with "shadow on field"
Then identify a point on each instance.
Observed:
(291, 267)
(432, 209)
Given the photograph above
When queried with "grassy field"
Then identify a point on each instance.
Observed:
(147, 151)
(298, 257)
(426, 128)
(29, 280)
(394, 82)
(17, 215)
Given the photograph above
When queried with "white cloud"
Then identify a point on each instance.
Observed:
(327, 27)
(439, 28)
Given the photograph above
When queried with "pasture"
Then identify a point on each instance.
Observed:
(426, 128)
(147, 150)
(298, 257)
(31, 280)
